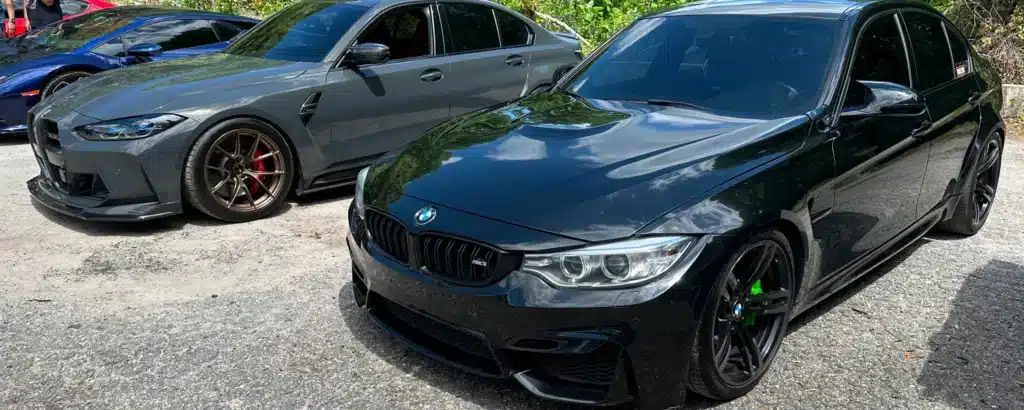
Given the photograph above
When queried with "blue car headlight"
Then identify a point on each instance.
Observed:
(129, 128)
(358, 199)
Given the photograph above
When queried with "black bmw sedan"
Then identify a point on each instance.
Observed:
(650, 224)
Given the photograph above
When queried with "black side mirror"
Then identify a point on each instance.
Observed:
(367, 53)
(144, 50)
(879, 98)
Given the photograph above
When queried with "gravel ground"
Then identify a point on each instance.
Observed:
(190, 313)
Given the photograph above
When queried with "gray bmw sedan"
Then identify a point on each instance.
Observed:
(298, 104)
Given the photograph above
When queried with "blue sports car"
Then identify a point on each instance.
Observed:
(36, 65)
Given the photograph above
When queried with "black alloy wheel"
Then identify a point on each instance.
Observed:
(745, 322)
(239, 170)
(975, 204)
(986, 181)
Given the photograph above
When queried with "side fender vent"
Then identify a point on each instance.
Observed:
(309, 107)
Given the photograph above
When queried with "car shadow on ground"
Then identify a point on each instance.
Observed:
(977, 359)
(13, 140)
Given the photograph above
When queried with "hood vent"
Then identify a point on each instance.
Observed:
(309, 107)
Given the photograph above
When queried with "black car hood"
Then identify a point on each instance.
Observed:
(586, 169)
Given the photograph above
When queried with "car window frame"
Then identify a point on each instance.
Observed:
(948, 27)
(449, 39)
(204, 19)
(501, 39)
(435, 32)
(952, 67)
(847, 71)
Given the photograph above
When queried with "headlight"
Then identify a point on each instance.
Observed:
(617, 264)
(129, 128)
(358, 200)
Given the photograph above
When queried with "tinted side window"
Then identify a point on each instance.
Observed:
(113, 48)
(472, 27)
(405, 31)
(173, 34)
(514, 32)
(961, 64)
(881, 55)
(931, 51)
(227, 30)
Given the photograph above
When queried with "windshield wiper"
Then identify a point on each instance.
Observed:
(673, 103)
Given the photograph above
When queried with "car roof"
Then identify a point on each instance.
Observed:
(838, 9)
(146, 13)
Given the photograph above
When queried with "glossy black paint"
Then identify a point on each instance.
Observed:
(849, 186)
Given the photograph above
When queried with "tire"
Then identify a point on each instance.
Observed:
(62, 80)
(737, 296)
(983, 180)
(220, 182)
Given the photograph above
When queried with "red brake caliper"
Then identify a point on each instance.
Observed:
(257, 166)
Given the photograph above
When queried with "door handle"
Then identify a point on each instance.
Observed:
(974, 97)
(923, 127)
(431, 75)
(514, 60)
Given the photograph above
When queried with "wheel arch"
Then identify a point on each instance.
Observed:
(296, 178)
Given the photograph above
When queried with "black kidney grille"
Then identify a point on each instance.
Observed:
(458, 260)
(389, 235)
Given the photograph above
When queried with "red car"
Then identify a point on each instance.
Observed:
(71, 8)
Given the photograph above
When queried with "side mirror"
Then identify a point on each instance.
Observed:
(367, 53)
(144, 50)
(879, 98)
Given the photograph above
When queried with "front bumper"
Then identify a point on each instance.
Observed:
(106, 180)
(601, 347)
(14, 108)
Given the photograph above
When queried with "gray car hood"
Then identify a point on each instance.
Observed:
(169, 85)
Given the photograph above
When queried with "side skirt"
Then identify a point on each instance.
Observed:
(881, 254)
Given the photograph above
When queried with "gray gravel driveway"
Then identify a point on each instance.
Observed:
(191, 313)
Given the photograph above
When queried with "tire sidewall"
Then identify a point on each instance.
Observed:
(48, 89)
(196, 189)
(975, 227)
(703, 364)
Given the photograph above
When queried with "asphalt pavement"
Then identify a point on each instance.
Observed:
(191, 313)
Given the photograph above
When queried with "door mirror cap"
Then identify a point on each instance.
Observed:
(144, 50)
(367, 53)
(879, 98)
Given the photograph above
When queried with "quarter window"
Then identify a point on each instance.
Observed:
(472, 27)
(961, 63)
(931, 51)
(881, 55)
(405, 31)
(72, 7)
(514, 32)
(173, 34)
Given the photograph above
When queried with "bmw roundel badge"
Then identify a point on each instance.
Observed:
(425, 215)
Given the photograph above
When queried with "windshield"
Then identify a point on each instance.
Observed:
(300, 32)
(71, 34)
(759, 66)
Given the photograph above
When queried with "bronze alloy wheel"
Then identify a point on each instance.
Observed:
(245, 170)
